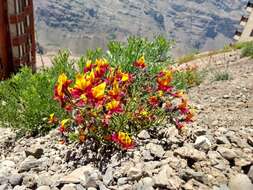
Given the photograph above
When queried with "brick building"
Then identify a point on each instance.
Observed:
(245, 33)
(17, 37)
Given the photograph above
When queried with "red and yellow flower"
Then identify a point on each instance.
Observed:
(164, 80)
(98, 91)
(123, 139)
(123, 77)
(115, 92)
(52, 119)
(153, 101)
(61, 87)
(101, 93)
(101, 67)
(63, 125)
(88, 66)
(114, 106)
(140, 63)
(190, 116)
(179, 125)
(183, 106)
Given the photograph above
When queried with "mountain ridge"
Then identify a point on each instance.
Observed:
(82, 24)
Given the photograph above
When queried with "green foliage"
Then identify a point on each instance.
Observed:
(156, 52)
(123, 55)
(222, 76)
(26, 100)
(90, 55)
(240, 45)
(109, 106)
(186, 79)
(247, 50)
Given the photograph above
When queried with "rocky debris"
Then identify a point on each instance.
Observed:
(85, 175)
(227, 153)
(215, 153)
(163, 178)
(144, 135)
(250, 173)
(43, 188)
(35, 151)
(250, 141)
(146, 183)
(155, 150)
(30, 163)
(240, 182)
(202, 143)
(15, 179)
(190, 153)
(4, 187)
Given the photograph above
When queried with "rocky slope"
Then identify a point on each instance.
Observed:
(82, 24)
(215, 153)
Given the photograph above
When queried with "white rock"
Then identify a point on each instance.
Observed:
(20, 187)
(43, 188)
(202, 142)
(30, 163)
(69, 187)
(146, 183)
(162, 178)
(86, 175)
(108, 176)
(144, 135)
(8, 163)
(240, 182)
(156, 150)
(227, 153)
(4, 187)
(134, 173)
(188, 152)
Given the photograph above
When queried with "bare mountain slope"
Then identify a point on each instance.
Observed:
(79, 24)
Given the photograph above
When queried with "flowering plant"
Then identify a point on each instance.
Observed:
(110, 106)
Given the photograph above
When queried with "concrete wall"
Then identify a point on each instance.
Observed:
(248, 28)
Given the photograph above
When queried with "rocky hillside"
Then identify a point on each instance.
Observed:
(215, 153)
(82, 24)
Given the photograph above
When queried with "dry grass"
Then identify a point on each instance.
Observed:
(227, 48)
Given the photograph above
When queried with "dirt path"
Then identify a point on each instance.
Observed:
(227, 103)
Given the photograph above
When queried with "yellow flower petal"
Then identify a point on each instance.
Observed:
(99, 91)
(62, 79)
(112, 105)
(81, 82)
(142, 59)
(63, 122)
(125, 77)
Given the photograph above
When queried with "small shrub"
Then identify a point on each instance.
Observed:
(109, 105)
(26, 99)
(240, 45)
(187, 76)
(120, 54)
(222, 76)
(247, 50)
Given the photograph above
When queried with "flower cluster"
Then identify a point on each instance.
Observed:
(109, 105)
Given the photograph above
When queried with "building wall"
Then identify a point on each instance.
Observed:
(248, 29)
(5, 48)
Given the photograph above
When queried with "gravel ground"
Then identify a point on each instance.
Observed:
(215, 153)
